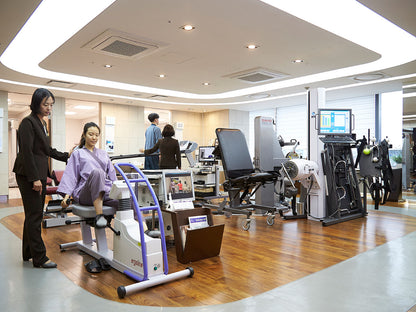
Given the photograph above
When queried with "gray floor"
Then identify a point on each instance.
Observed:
(382, 279)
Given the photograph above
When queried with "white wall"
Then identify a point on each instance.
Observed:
(4, 153)
(57, 131)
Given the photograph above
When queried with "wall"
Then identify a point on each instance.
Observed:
(239, 120)
(57, 131)
(129, 127)
(192, 122)
(74, 128)
(4, 154)
(212, 121)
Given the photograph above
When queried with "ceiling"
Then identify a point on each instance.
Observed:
(215, 51)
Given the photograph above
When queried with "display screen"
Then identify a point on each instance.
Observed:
(179, 185)
(205, 153)
(334, 121)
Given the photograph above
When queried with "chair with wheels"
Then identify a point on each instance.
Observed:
(242, 181)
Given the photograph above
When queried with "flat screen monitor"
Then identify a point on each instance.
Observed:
(334, 121)
(205, 154)
(179, 184)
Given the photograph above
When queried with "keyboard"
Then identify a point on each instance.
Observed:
(337, 140)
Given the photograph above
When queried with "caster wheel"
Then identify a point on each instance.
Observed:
(246, 224)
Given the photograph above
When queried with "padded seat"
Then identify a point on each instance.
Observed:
(254, 177)
(242, 180)
(89, 211)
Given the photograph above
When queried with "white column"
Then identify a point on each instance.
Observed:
(4, 152)
(58, 131)
(316, 99)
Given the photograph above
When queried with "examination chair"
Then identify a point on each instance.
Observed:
(241, 179)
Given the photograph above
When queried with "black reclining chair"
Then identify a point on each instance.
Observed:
(241, 179)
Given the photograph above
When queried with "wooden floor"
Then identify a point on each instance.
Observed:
(251, 262)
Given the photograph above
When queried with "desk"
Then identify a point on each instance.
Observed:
(200, 243)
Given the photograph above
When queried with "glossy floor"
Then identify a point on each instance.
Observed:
(380, 279)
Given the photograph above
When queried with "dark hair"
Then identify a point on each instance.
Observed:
(86, 127)
(168, 131)
(152, 117)
(38, 96)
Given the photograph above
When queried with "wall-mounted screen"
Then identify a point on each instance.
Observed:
(205, 154)
(334, 121)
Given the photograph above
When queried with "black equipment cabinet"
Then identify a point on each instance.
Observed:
(343, 201)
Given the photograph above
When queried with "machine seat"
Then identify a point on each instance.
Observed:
(253, 178)
(88, 212)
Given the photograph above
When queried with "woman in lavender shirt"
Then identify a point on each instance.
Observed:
(89, 175)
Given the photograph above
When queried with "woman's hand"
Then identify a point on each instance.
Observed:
(37, 186)
(65, 202)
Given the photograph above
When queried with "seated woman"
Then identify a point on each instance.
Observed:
(170, 153)
(89, 175)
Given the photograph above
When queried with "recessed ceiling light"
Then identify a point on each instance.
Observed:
(252, 46)
(297, 61)
(206, 83)
(162, 76)
(108, 65)
(70, 113)
(188, 27)
(369, 77)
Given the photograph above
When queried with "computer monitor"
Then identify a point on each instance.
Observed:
(179, 184)
(334, 121)
(205, 154)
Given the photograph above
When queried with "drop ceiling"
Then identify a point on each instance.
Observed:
(214, 52)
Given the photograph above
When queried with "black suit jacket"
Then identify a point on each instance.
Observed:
(34, 150)
(170, 154)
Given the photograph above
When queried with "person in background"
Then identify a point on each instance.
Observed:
(89, 175)
(32, 168)
(170, 154)
(152, 135)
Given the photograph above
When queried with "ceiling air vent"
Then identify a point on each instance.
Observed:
(122, 45)
(257, 75)
(60, 84)
(158, 97)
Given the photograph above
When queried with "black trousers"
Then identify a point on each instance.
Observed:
(33, 202)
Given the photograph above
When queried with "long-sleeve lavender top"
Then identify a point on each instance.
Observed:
(79, 166)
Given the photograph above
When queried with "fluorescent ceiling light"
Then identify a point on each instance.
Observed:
(123, 97)
(407, 95)
(395, 45)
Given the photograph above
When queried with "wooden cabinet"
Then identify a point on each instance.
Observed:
(195, 244)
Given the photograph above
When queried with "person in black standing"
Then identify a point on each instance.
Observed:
(31, 169)
(170, 154)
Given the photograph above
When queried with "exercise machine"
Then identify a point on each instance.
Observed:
(343, 197)
(242, 180)
(136, 254)
(54, 214)
(269, 157)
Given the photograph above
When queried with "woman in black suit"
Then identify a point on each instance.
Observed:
(31, 169)
(170, 154)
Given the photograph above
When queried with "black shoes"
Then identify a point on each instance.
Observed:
(47, 265)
